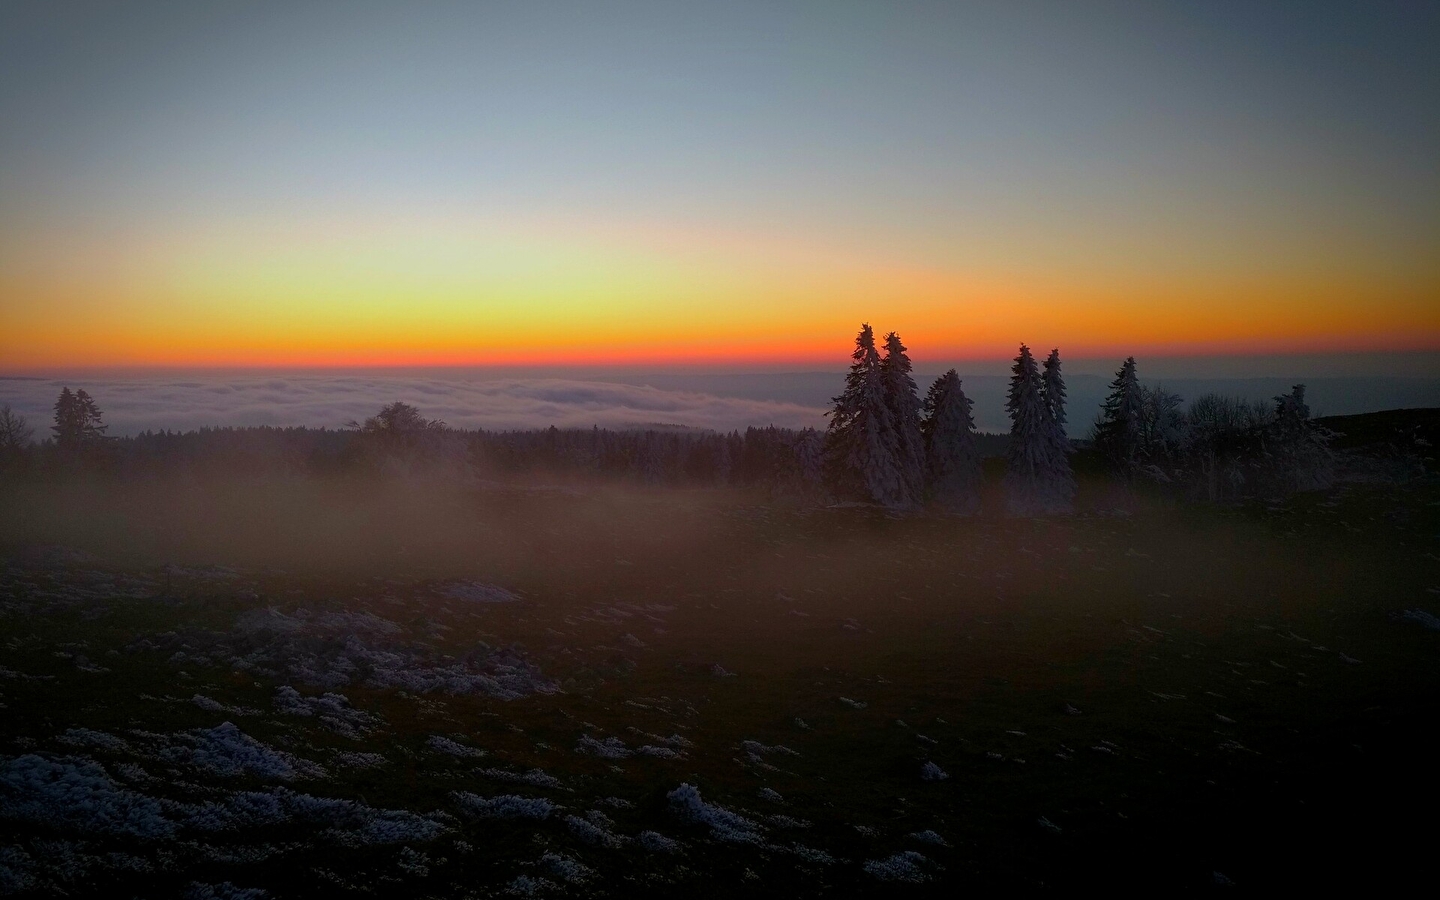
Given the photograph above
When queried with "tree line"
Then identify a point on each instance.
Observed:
(883, 444)
(886, 446)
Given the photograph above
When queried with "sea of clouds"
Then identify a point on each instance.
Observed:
(138, 404)
(498, 400)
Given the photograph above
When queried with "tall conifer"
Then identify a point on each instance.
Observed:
(862, 451)
(1038, 479)
(1117, 432)
(904, 406)
(951, 458)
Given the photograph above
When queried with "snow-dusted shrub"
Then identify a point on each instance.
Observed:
(223, 891)
(334, 710)
(85, 737)
(593, 833)
(756, 748)
(352, 759)
(657, 842)
(811, 855)
(227, 751)
(932, 772)
(525, 886)
(1419, 617)
(787, 822)
(210, 705)
(567, 867)
(610, 748)
(659, 752)
(346, 822)
(388, 826)
(772, 795)
(673, 740)
(904, 866)
(537, 777)
(78, 795)
(724, 825)
(17, 871)
(442, 744)
(929, 837)
(504, 806)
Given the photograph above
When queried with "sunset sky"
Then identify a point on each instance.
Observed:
(227, 184)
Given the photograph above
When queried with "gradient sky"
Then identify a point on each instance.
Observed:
(222, 184)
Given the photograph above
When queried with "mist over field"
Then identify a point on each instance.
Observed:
(737, 449)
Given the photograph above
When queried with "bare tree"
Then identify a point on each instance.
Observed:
(15, 432)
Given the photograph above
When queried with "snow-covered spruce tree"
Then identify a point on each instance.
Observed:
(1052, 391)
(1117, 431)
(862, 452)
(904, 406)
(1037, 475)
(1052, 388)
(951, 459)
(810, 459)
(1299, 455)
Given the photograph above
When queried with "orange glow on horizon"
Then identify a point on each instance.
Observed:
(472, 294)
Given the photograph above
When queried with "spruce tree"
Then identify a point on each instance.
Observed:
(1117, 432)
(1052, 391)
(1299, 453)
(862, 458)
(92, 430)
(1037, 477)
(951, 458)
(1052, 388)
(69, 424)
(904, 407)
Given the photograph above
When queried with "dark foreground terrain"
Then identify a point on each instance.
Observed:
(493, 692)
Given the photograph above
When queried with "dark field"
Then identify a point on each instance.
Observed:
(1173, 698)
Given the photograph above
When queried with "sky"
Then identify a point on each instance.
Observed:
(732, 185)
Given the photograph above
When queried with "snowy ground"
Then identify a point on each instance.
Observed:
(722, 699)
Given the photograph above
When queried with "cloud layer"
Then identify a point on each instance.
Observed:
(134, 405)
